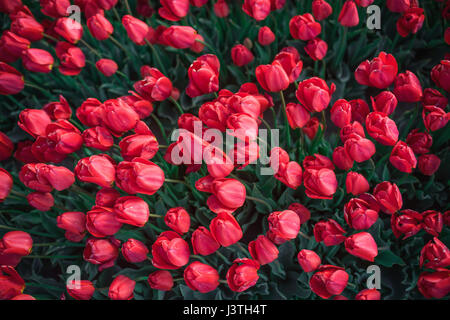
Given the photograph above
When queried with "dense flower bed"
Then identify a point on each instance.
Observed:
(116, 181)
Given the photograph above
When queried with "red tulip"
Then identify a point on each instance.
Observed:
(380, 72)
(407, 224)
(132, 210)
(225, 229)
(119, 117)
(308, 260)
(362, 245)
(420, 142)
(381, 128)
(58, 110)
(154, 87)
(303, 213)
(398, 5)
(69, 29)
(360, 214)
(368, 294)
(265, 36)
(42, 201)
(203, 76)
(169, 251)
(121, 288)
(317, 161)
(432, 222)
(311, 127)
(160, 280)
(440, 74)
(432, 97)
(429, 164)
(14, 246)
(102, 222)
(297, 115)
(243, 274)
(291, 64)
(388, 196)
(272, 77)
(98, 169)
(257, 9)
(66, 136)
(137, 30)
(134, 251)
(6, 184)
(174, 10)
(74, 223)
(141, 106)
(179, 37)
(44, 177)
(321, 9)
(37, 60)
(26, 26)
(178, 220)
(139, 145)
(139, 176)
(407, 87)
(410, 22)
(11, 46)
(107, 67)
(24, 153)
(11, 80)
(359, 149)
(316, 49)
(342, 159)
(434, 285)
(263, 250)
(10, 6)
(203, 242)
(98, 138)
(6, 147)
(360, 109)
(283, 226)
(23, 297)
(102, 252)
(385, 102)
(436, 253)
(91, 112)
(106, 197)
(314, 94)
(330, 232)
(434, 118)
(341, 113)
(403, 158)
(328, 281)
(201, 277)
(320, 183)
(100, 27)
(348, 17)
(221, 8)
(355, 183)
(80, 289)
(230, 192)
(241, 55)
(351, 131)
(304, 27)
(106, 4)
(11, 284)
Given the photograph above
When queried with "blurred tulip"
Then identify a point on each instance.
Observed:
(203, 242)
(330, 232)
(311, 127)
(69, 29)
(107, 67)
(434, 118)
(434, 98)
(316, 49)
(362, 245)
(160, 280)
(80, 289)
(102, 252)
(320, 183)
(385, 102)
(355, 183)
(368, 294)
(42, 201)
(265, 36)
(429, 164)
(179, 37)
(221, 8)
(6, 147)
(360, 149)
(257, 9)
(137, 30)
(341, 113)
(297, 115)
(321, 9)
(134, 251)
(342, 159)
(241, 56)
(283, 226)
(27, 27)
(263, 250)
(173, 10)
(154, 87)
(348, 17)
(6, 184)
(11, 46)
(11, 80)
(432, 222)
(434, 285)
(291, 64)
(410, 22)
(407, 87)
(398, 5)
(13, 246)
(59, 109)
(440, 74)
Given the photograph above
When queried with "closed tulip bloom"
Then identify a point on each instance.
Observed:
(263, 250)
(348, 17)
(11, 80)
(225, 229)
(304, 27)
(317, 161)
(350, 130)
(362, 245)
(388, 196)
(6, 147)
(398, 5)
(80, 289)
(320, 183)
(432, 222)
(203, 242)
(14, 246)
(91, 112)
(283, 226)
(407, 87)
(43, 177)
(341, 113)
(11, 284)
(308, 260)
(297, 115)
(71, 58)
(203, 76)
(360, 149)
(265, 36)
(241, 56)
(243, 127)
(102, 252)
(311, 128)
(26, 26)
(201, 277)
(230, 192)
(98, 138)
(139, 176)
(221, 8)
(385, 102)
(66, 136)
(69, 29)
(54, 8)
(368, 294)
(121, 288)
(160, 280)
(272, 77)
(43, 201)
(132, 210)
(435, 255)
(429, 164)
(381, 128)
(257, 9)
(407, 224)
(154, 87)
(410, 22)
(137, 30)
(355, 183)
(420, 142)
(291, 64)
(74, 223)
(119, 117)
(11, 46)
(316, 49)
(321, 9)
(6, 184)
(440, 74)
(435, 284)
(169, 251)
(342, 159)
(139, 145)
(142, 107)
(37, 60)
(360, 214)
(243, 274)
(179, 37)
(434, 98)
(402, 157)
(434, 118)
(98, 169)
(58, 109)
(328, 281)
(178, 220)
(100, 27)
(314, 94)
(174, 10)
(134, 251)
(380, 72)
(107, 67)
(360, 110)
(102, 222)
(330, 232)
(10, 6)
(106, 197)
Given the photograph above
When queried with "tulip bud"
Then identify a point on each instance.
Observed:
(317, 161)
(37, 60)
(352, 129)
(342, 159)
(58, 110)
(360, 214)
(137, 30)
(362, 245)
(6, 147)
(314, 94)
(265, 36)
(368, 294)
(348, 17)
(160, 280)
(381, 128)
(65, 136)
(11, 80)
(311, 128)
(258, 10)
(98, 138)
(134, 251)
(10, 6)
(6, 184)
(440, 74)
(272, 77)
(320, 183)
(201, 277)
(330, 232)
(429, 164)
(291, 64)
(14, 246)
(341, 113)
(80, 289)
(179, 37)
(98, 169)
(72, 59)
(356, 183)
(388, 196)
(26, 26)
(410, 22)
(100, 27)
(434, 118)
(203, 76)
(221, 8)
(321, 9)
(139, 176)
(263, 250)
(107, 67)
(241, 56)
(154, 87)
(43, 201)
(359, 149)
(139, 145)
(360, 110)
(385, 102)
(69, 29)
(403, 158)
(11, 46)
(74, 223)
(304, 27)
(398, 5)
(102, 222)
(170, 251)
(203, 242)
(198, 45)
(434, 285)
(173, 10)
(407, 87)
(328, 281)
(102, 252)
(283, 226)
(380, 72)
(308, 260)
(316, 49)
(225, 229)
(178, 219)
(243, 274)
(419, 142)
(132, 210)
(408, 224)
(121, 288)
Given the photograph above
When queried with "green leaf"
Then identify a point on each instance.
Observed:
(388, 259)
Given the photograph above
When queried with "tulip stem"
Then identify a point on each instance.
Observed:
(90, 48)
(158, 59)
(242, 248)
(177, 105)
(50, 37)
(156, 229)
(304, 235)
(178, 279)
(117, 43)
(260, 201)
(175, 181)
(29, 231)
(116, 14)
(160, 126)
(31, 85)
(324, 120)
(155, 215)
(223, 257)
(223, 281)
(77, 189)
(287, 127)
(127, 5)
(199, 258)
(49, 244)
(20, 194)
